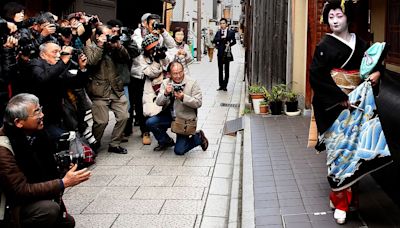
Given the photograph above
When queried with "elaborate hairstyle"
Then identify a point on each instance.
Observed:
(347, 7)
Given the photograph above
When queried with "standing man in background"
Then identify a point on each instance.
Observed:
(223, 38)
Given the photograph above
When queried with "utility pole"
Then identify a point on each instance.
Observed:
(198, 30)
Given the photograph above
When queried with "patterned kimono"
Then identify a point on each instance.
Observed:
(354, 139)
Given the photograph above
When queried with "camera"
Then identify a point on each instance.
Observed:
(126, 34)
(112, 38)
(157, 25)
(177, 87)
(92, 19)
(159, 52)
(64, 159)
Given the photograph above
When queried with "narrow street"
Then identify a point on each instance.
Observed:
(151, 189)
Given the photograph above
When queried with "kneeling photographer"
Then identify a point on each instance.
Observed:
(29, 177)
(180, 96)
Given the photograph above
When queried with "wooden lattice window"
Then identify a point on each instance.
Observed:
(393, 31)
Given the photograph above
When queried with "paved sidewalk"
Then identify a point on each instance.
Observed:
(285, 185)
(151, 189)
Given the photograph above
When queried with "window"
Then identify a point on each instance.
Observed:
(393, 31)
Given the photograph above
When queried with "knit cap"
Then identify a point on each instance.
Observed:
(149, 41)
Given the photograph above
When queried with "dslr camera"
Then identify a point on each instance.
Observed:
(157, 25)
(64, 160)
(112, 38)
(159, 52)
(177, 87)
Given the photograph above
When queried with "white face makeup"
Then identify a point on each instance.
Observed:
(337, 21)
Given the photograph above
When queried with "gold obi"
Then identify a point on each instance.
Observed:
(347, 80)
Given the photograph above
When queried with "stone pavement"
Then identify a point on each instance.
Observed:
(159, 189)
(285, 185)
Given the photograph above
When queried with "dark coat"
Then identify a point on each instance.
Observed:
(50, 86)
(30, 175)
(220, 43)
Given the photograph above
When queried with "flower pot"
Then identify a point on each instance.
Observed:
(291, 106)
(256, 104)
(256, 96)
(275, 107)
(264, 109)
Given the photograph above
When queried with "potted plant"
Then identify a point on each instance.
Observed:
(264, 107)
(256, 93)
(276, 97)
(291, 101)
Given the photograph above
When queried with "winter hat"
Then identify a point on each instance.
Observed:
(149, 41)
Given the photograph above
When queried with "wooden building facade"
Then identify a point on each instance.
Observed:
(265, 40)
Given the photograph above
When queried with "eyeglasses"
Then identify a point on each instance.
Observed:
(37, 112)
(177, 73)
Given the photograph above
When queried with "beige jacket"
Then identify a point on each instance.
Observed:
(192, 100)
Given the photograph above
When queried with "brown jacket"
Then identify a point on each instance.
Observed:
(15, 185)
(104, 78)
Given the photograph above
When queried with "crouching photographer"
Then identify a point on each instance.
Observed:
(28, 176)
(180, 97)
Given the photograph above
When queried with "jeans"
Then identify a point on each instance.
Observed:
(159, 125)
(184, 143)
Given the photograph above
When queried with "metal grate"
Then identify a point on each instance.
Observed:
(230, 105)
(232, 126)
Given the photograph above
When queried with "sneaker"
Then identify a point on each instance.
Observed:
(165, 146)
(146, 140)
(117, 150)
(204, 141)
(339, 216)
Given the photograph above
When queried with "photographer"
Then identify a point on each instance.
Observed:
(180, 52)
(106, 88)
(180, 96)
(155, 27)
(29, 176)
(7, 60)
(52, 78)
(123, 35)
(149, 67)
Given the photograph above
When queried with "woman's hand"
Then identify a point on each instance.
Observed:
(345, 104)
(374, 77)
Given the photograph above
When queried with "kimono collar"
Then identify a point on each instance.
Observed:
(351, 43)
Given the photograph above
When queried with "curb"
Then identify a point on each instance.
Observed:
(234, 217)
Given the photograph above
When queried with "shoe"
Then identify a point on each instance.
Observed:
(165, 146)
(339, 216)
(224, 89)
(95, 146)
(220, 88)
(117, 150)
(204, 141)
(146, 140)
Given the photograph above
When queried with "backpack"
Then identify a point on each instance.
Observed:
(5, 142)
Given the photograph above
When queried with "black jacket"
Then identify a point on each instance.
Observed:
(51, 83)
(220, 42)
